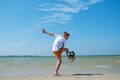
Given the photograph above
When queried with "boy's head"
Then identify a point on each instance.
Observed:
(66, 35)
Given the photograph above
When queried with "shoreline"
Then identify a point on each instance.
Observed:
(65, 77)
(52, 55)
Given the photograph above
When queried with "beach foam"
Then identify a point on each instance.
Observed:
(101, 66)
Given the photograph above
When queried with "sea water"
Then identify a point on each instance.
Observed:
(27, 65)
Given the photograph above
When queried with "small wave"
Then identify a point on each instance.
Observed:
(117, 56)
(101, 66)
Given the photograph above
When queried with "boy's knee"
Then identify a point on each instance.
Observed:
(60, 61)
(67, 50)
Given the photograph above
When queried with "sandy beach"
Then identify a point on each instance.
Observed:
(65, 77)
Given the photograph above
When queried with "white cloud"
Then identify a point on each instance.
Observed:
(94, 1)
(61, 11)
(56, 18)
(58, 8)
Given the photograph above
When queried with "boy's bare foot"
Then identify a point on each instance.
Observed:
(57, 74)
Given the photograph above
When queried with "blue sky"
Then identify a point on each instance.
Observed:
(94, 26)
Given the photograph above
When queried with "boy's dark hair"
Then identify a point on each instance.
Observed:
(66, 33)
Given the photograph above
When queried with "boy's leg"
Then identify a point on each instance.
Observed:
(66, 50)
(57, 67)
(58, 56)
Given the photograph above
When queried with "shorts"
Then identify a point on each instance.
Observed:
(58, 53)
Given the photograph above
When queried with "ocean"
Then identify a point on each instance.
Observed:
(27, 65)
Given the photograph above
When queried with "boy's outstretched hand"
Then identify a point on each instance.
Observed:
(43, 31)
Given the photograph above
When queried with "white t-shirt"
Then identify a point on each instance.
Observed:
(59, 40)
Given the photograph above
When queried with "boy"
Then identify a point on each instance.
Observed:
(58, 48)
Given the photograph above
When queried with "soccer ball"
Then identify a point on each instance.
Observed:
(71, 56)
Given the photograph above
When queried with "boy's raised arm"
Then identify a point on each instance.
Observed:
(45, 32)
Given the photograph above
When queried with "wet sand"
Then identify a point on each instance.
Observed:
(65, 77)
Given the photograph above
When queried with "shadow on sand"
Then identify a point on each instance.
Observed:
(78, 74)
